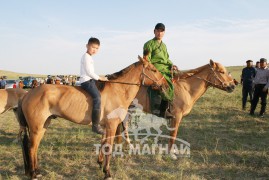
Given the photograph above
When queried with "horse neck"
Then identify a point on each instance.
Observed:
(197, 83)
(132, 76)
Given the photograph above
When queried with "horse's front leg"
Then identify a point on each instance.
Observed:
(101, 154)
(125, 130)
(111, 127)
(173, 133)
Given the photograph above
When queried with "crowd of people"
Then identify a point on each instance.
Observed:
(255, 83)
(65, 80)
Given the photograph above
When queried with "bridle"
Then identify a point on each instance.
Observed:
(143, 76)
(216, 76)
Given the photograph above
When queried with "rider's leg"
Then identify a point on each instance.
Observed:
(91, 88)
(165, 110)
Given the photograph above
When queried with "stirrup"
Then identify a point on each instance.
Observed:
(169, 114)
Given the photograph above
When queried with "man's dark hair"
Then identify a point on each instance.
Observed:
(94, 40)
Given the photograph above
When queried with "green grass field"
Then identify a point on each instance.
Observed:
(225, 143)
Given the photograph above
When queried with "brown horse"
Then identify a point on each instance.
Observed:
(45, 102)
(189, 87)
(9, 98)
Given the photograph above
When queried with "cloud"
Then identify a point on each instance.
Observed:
(190, 45)
(229, 42)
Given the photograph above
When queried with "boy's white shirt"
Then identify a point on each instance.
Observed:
(87, 69)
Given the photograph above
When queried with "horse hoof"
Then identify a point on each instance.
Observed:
(108, 178)
(100, 164)
(39, 175)
(173, 156)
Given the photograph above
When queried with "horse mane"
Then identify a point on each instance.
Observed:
(101, 85)
(191, 72)
(120, 73)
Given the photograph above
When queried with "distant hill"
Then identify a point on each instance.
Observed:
(15, 75)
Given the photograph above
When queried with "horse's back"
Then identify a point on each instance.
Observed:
(64, 101)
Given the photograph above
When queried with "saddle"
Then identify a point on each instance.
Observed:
(100, 85)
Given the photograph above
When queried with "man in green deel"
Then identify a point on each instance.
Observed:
(156, 52)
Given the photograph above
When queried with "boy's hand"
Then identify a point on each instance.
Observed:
(102, 78)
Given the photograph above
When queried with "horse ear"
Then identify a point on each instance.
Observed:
(144, 61)
(212, 63)
(140, 58)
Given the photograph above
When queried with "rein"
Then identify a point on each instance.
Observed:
(117, 82)
(210, 82)
(143, 80)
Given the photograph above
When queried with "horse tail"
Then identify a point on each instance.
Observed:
(24, 138)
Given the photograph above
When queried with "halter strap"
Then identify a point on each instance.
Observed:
(155, 82)
(210, 82)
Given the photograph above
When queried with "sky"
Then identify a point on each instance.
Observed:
(49, 37)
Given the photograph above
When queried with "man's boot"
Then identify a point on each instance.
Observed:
(168, 113)
(96, 113)
(165, 110)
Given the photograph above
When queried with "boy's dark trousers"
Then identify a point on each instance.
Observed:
(93, 91)
(258, 93)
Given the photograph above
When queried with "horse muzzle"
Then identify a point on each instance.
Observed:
(230, 88)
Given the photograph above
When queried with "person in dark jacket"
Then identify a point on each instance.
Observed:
(248, 74)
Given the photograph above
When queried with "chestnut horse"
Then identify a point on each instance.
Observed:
(9, 98)
(189, 87)
(45, 102)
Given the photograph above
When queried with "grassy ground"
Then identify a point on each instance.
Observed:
(225, 143)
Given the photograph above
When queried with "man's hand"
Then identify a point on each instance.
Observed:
(102, 78)
(264, 89)
(174, 68)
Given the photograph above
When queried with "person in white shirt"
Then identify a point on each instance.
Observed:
(261, 82)
(87, 80)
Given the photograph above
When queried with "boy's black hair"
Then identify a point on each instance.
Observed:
(94, 40)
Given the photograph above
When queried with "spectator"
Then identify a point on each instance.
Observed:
(49, 80)
(3, 83)
(248, 74)
(21, 85)
(15, 85)
(261, 82)
(257, 65)
(73, 81)
(57, 80)
(42, 81)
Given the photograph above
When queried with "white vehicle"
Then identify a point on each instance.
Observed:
(10, 83)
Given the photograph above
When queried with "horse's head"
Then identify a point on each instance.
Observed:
(150, 75)
(220, 78)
